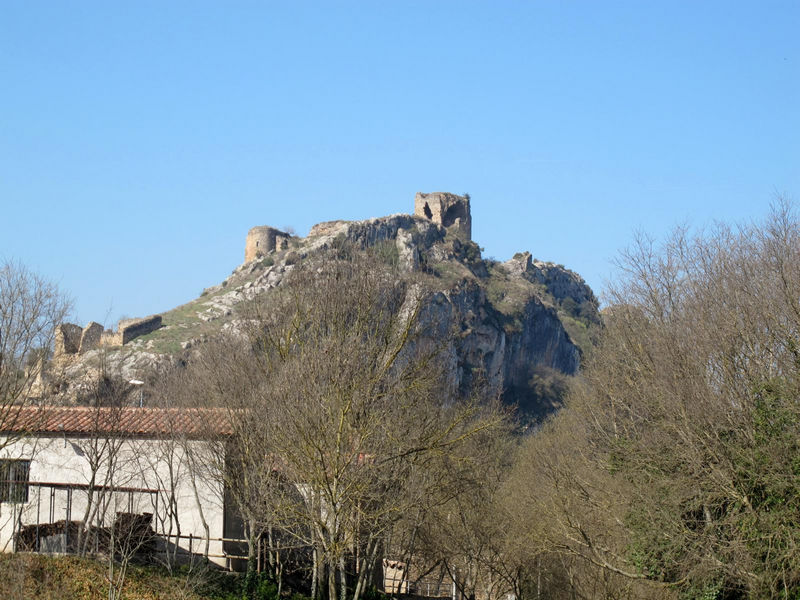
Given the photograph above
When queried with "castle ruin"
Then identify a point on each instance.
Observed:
(445, 209)
(262, 240)
(72, 340)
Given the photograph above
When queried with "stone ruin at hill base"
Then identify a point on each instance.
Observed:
(72, 340)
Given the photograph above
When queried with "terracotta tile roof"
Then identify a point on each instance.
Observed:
(128, 420)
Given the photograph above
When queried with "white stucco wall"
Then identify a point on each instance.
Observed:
(162, 465)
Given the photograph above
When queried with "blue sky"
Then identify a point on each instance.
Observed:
(139, 141)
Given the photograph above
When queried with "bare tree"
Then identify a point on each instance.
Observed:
(340, 405)
(465, 533)
(30, 309)
(675, 459)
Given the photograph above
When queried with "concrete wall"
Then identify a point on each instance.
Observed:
(140, 463)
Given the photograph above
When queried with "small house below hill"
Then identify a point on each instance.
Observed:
(137, 481)
(125, 479)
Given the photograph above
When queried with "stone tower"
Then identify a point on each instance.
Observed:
(263, 240)
(448, 210)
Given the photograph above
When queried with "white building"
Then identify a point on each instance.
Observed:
(68, 474)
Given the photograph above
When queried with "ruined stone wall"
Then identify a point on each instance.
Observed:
(445, 209)
(110, 338)
(262, 240)
(129, 329)
(90, 337)
(68, 339)
(72, 341)
(327, 228)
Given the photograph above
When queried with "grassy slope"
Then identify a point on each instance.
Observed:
(27, 576)
(182, 323)
(24, 576)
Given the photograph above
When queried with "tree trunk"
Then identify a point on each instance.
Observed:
(314, 575)
(331, 582)
(251, 578)
(342, 579)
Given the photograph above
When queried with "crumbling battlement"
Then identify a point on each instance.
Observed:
(445, 209)
(263, 240)
(129, 329)
(73, 341)
(68, 339)
(91, 337)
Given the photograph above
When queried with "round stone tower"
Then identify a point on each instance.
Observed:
(261, 241)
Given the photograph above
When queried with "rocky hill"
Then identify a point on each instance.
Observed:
(522, 324)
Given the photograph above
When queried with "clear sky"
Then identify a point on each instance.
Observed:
(139, 141)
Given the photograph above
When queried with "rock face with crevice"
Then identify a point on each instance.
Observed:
(483, 346)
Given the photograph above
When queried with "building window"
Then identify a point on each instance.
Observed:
(14, 480)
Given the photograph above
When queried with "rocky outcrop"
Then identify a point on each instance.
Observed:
(86, 380)
(497, 323)
(560, 282)
(499, 340)
(540, 341)
(370, 232)
(481, 347)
